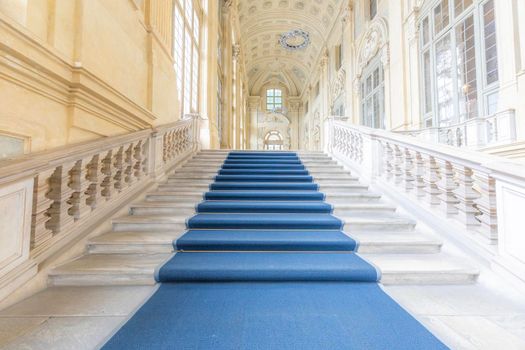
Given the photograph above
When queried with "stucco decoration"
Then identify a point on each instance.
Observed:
(316, 130)
(271, 121)
(296, 39)
(338, 86)
(374, 42)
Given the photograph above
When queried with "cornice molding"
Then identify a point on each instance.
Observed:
(36, 66)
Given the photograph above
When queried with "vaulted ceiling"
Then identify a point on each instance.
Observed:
(262, 23)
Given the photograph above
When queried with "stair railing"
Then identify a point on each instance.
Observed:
(49, 199)
(483, 195)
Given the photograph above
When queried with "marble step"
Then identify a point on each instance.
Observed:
(391, 242)
(182, 181)
(188, 208)
(328, 187)
(343, 209)
(108, 269)
(423, 269)
(179, 196)
(163, 208)
(138, 269)
(363, 223)
(337, 198)
(150, 223)
(136, 242)
(352, 224)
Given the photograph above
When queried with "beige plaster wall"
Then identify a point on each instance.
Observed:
(74, 70)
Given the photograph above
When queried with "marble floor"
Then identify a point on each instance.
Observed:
(486, 315)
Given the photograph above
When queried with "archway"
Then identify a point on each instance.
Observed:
(273, 141)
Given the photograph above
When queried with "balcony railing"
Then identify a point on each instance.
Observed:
(49, 199)
(481, 195)
(494, 130)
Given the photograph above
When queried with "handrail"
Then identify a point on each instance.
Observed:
(60, 192)
(461, 185)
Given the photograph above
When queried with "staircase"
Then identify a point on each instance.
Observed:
(142, 241)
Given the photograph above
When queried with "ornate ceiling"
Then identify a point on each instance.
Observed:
(262, 24)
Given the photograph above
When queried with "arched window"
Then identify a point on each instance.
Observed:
(274, 99)
(273, 141)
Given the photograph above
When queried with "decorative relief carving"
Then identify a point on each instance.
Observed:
(374, 42)
(338, 85)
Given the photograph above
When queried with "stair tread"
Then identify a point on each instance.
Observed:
(112, 263)
(420, 263)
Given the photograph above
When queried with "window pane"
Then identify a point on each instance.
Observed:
(425, 31)
(492, 103)
(195, 80)
(460, 6)
(277, 100)
(427, 91)
(278, 92)
(444, 81)
(187, 71)
(491, 52)
(269, 93)
(466, 65)
(441, 18)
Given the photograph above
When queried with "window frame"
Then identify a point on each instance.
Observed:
(484, 90)
(276, 106)
(188, 77)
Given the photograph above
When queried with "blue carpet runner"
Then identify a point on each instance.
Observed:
(265, 265)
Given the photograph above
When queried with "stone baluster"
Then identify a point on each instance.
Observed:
(128, 175)
(79, 184)
(106, 170)
(40, 233)
(138, 159)
(118, 165)
(420, 175)
(408, 176)
(389, 161)
(398, 163)
(93, 175)
(486, 204)
(466, 194)
(431, 179)
(60, 193)
(447, 185)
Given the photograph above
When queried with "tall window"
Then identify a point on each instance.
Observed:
(459, 75)
(372, 96)
(274, 99)
(186, 53)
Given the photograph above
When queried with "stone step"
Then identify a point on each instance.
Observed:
(363, 223)
(136, 242)
(343, 209)
(138, 269)
(161, 196)
(338, 198)
(182, 181)
(421, 269)
(150, 223)
(108, 269)
(391, 242)
(163, 208)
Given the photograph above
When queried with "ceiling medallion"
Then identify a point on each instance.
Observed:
(295, 40)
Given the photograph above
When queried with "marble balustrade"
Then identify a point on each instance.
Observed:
(49, 198)
(479, 193)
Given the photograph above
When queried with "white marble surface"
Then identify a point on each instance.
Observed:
(69, 317)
